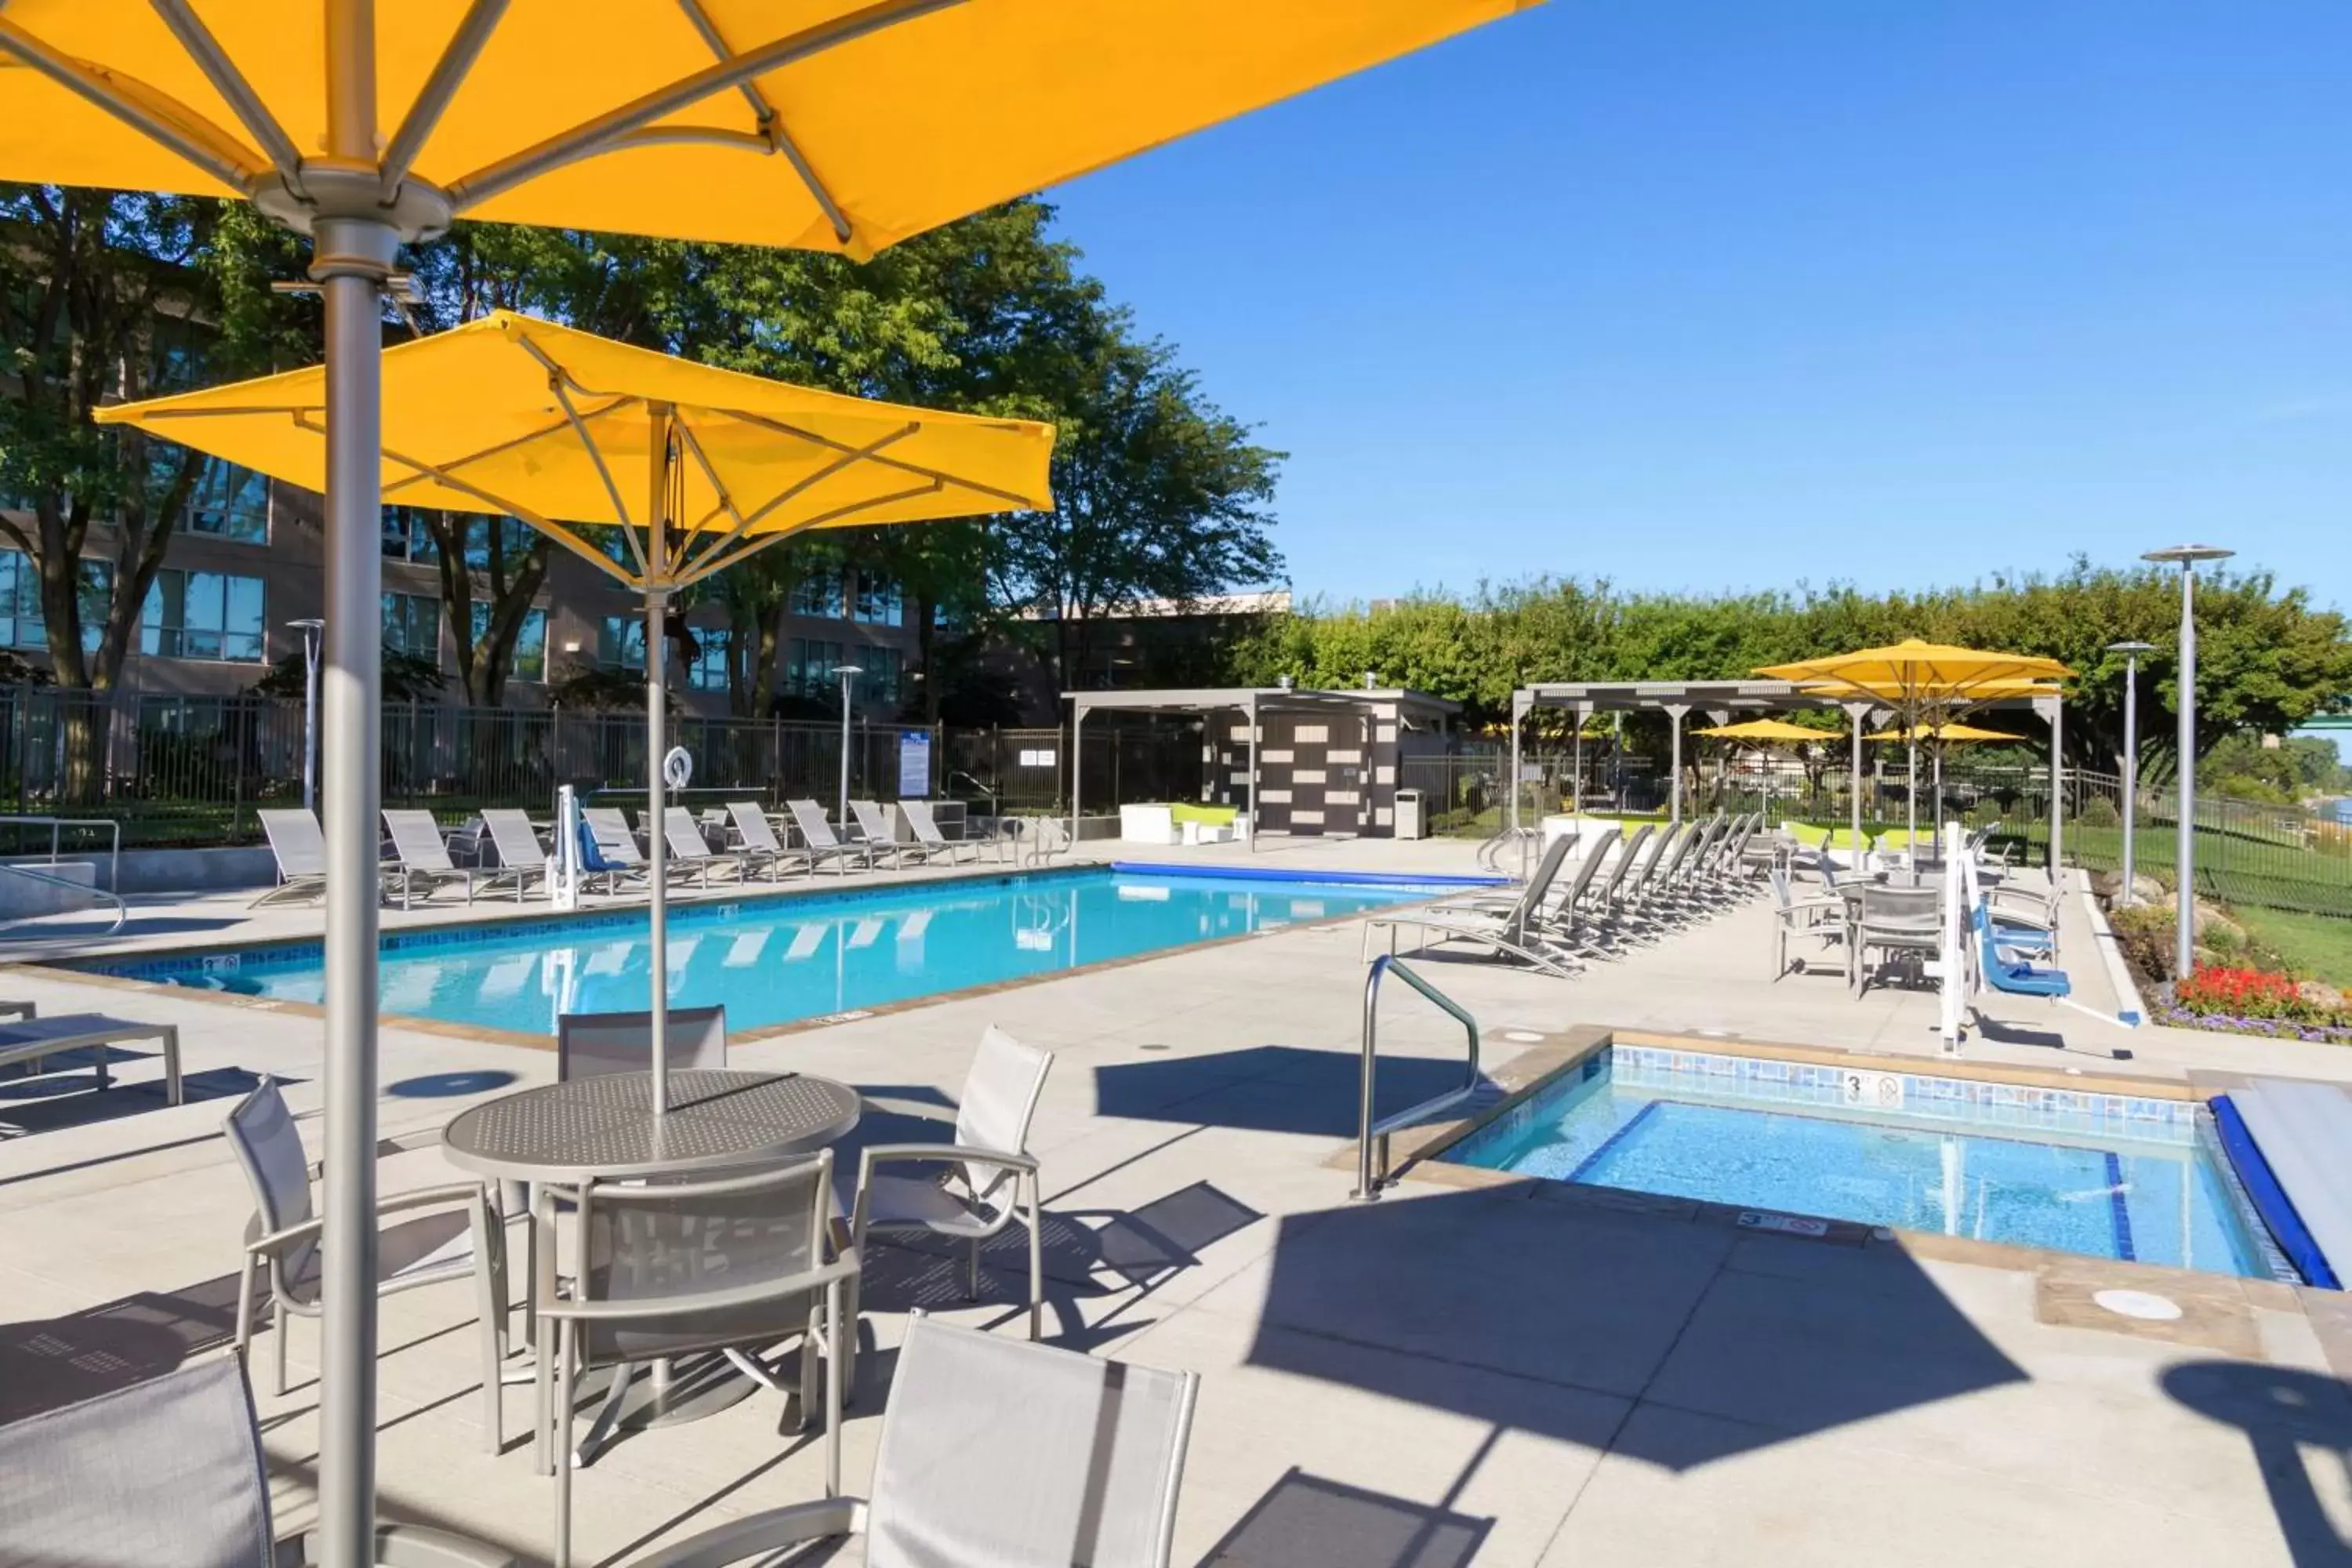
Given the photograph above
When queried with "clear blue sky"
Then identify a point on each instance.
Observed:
(1728, 294)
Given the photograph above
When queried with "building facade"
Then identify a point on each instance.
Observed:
(245, 563)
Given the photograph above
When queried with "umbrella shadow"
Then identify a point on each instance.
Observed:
(53, 1363)
(1312, 1522)
(1268, 1088)
(2284, 1412)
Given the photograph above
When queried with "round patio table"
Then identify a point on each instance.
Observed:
(603, 1127)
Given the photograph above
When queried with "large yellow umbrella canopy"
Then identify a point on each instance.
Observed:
(840, 126)
(560, 427)
(1916, 670)
(1947, 734)
(1768, 730)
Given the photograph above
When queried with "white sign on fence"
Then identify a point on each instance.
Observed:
(914, 765)
(1044, 759)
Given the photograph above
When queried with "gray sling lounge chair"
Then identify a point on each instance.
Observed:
(300, 851)
(1513, 932)
(31, 1039)
(758, 842)
(689, 850)
(824, 844)
(997, 1451)
(424, 857)
(171, 1471)
(927, 832)
(874, 832)
(521, 856)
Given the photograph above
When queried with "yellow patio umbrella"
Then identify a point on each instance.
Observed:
(1938, 736)
(700, 466)
(1762, 733)
(842, 125)
(1922, 682)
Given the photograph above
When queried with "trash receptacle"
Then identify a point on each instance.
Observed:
(1412, 816)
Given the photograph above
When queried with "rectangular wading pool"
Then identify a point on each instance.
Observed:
(797, 955)
(2105, 1175)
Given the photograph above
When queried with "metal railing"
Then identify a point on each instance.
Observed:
(57, 827)
(1371, 1167)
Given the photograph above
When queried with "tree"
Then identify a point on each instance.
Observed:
(1158, 495)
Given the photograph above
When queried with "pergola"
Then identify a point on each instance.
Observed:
(1721, 699)
(1252, 701)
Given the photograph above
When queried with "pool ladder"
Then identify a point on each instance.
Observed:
(1372, 1135)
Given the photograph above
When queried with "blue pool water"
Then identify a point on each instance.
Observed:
(776, 960)
(2102, 1176)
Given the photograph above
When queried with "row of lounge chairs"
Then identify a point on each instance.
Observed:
(1594, 893)
(418, 862)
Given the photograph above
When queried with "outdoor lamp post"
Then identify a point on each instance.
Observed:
(2131, 652)
(2184, 946)
(313, 631)
(849, 672)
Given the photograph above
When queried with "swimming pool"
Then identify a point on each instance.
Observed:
(783, 958)
(2105, 1176)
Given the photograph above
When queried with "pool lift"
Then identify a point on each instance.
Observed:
(1977, 954)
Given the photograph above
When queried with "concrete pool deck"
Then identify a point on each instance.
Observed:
(1515, 1374)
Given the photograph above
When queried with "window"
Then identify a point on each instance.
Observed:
(708, 669)
(885, 668)
(879, 603)
(530, 644)
(22, 622)
(405, 537)
(225, 501)
(818, 594)
(412, 624)
(514, 536)
(808, 665)
(204, 614)
(621, 643)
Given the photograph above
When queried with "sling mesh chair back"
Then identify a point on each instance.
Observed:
(169, 1470)
(588, 1044)
(997, 1451)
(671, 1267)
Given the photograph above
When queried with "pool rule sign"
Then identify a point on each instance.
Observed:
(914, 765)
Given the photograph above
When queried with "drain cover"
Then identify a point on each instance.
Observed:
(2145, 1305)
(1524, 1036)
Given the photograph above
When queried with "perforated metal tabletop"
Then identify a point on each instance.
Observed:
(604, 1125)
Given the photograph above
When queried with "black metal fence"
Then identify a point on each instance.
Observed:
(193, 769)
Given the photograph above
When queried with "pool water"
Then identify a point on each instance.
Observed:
(781, 959)
(2102, 1175)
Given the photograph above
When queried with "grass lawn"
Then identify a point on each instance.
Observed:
(2319, 945)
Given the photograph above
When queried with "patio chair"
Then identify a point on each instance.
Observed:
(926, 828)
(521, 856)
(994, 1451)
(33, 1040)
(1821, 916)
(1896, 921)
(1513, 932)
(1602, 902)
(672, 1267)
(300, 851)
(980, 1183)
(170, 1470)
(424, 860)
(824, 844)
(874, 832)
(691, 851)
(419, 1248)
(758, 841)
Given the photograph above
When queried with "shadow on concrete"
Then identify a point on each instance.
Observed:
(449, 1085)
(51, 1101)
(56, 1362)
(1312, 1522)
(1268, 1088)
(2283, 1413)
(1546, 1307)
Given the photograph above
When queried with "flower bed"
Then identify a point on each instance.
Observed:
(2269, 1028)
(2246, 1001)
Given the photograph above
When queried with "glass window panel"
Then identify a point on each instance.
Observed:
(879, 602)
(530, 662)
(621, 644)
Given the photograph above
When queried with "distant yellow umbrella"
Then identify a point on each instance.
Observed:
(1924, 682)
(1763, 732)
(1950, 735)
(839, 125)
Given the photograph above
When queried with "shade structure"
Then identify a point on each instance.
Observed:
(1924, 683)
(827, 124)
(698, 467)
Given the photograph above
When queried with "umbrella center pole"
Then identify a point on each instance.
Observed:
(657, 701)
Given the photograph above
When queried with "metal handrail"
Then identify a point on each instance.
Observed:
(111, 893)
(1369, 1181)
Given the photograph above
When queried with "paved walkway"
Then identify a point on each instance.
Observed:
(1517, 1375)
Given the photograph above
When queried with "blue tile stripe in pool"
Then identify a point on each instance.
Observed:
(2117, 1211)
(1623, 1131)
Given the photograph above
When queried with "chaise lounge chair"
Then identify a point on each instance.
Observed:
(300, 851)
(1514, 932)
(759, 843)
(825, 846)
(424, 859)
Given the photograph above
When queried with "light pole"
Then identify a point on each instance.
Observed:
(313, 632)
(2184, 945)
(2131, 652)
(849, 672)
